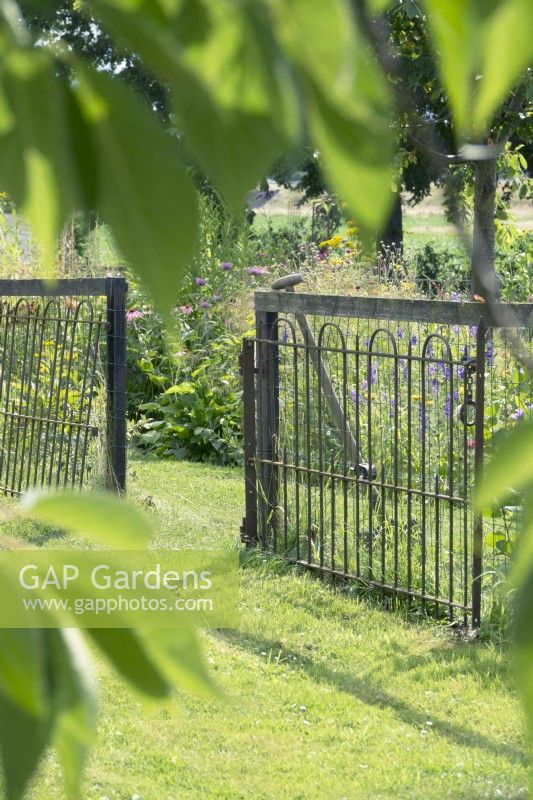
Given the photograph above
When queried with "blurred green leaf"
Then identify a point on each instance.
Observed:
(74, 704)
(156, 660)
(482, 46)
(178, 655)
(507, 51)
(102, 518)
(378, 6)
(523, 623)
(348, 105)
(356, 161)
(23, 737)
(21, 669)
(38, 155)
(455, 25)
(524, 551)
(232, 90)
(125, 650)
(511, 467)
(143, 189)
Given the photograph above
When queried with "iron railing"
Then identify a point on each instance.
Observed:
(366, 422)
(62, 345)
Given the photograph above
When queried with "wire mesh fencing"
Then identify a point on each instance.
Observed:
(61, 359)
(366, 424)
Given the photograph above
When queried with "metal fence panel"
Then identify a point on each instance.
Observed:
(372, 419)
(52, 339)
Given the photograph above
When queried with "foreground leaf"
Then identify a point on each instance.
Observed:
(156, 661)
(74, 699)
(178, 655)
(102, 518)
(507, 51)
(482, 46)
(232, 90)
(511, 467)
(348, 105)
(23, 737)
(40, 145)
(143, 190)
(21, 669)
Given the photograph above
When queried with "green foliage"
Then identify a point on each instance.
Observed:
(483, 47)
(513, 265)
(97, 517)
(242, 77)
(439, 269)
(188, 404)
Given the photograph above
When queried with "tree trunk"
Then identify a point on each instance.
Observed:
(483, 276)
(392, 236)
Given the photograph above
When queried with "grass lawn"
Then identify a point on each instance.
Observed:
(328, 697)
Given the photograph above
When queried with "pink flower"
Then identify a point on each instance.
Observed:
(186, 310)
(200, 281)
(134, 313)
(257, 271)
(225, 266)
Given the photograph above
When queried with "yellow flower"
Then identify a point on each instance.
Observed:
(335, 241)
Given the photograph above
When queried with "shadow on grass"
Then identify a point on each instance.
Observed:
(375, 695)
(32, 533)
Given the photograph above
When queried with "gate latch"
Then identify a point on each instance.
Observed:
(467, 408)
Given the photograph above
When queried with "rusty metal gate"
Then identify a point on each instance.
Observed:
(62, 345)
(366, 421)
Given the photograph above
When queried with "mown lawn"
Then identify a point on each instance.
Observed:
(327, 697)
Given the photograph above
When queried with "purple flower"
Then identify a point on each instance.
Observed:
(435, 386)
(225, 266)
(186, 310)
(489, 353)
(204, 304)
(399, 333)
(257, 271)
(473, 330)
(200, 281)
(354, 395)
(373, 373)
(518, 414)
(285, 335)
(455, 328)
(414, 339)
(134, 313)
(448, 406)
(454, 297)
(217, 298)
(461, 372)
